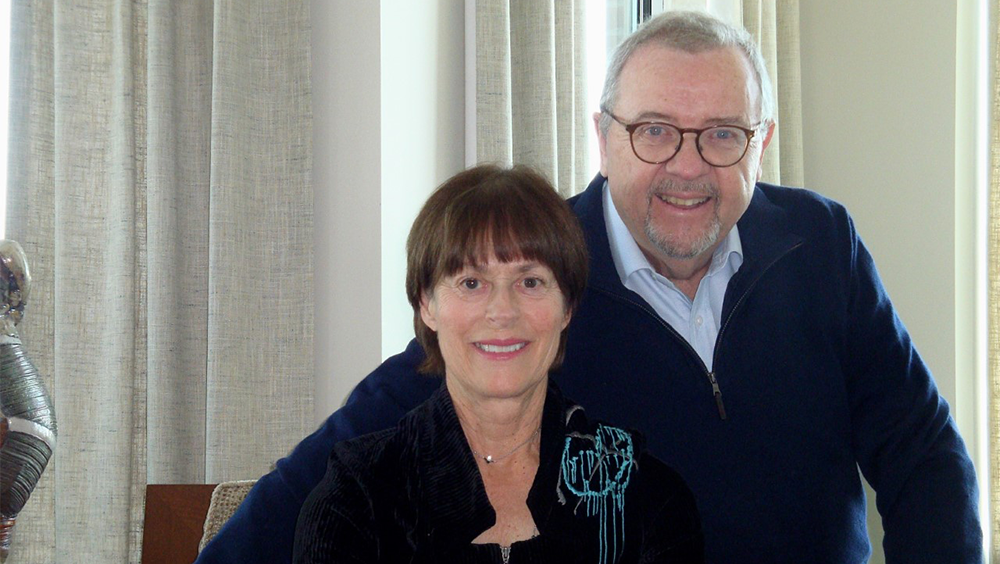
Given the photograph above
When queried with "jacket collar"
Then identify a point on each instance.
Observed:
(764, 235)
(453, 497)
(453, 501)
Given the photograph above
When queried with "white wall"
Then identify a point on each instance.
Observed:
(423, 134)
(878, 87)
(879, 110)
(347, 155)
(388, 103)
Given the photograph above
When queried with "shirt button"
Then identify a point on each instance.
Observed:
(698, 321)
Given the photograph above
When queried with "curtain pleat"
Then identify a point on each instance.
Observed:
(260, 308)
(775, 25)
(533, 85)
(531, 88)
(178, 174)
(494, 128)
(159, 182)
(572, 120)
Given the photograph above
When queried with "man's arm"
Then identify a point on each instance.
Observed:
(907, 444)
(263, 527)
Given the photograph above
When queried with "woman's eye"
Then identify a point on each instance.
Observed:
(532, 283)
(470, 284)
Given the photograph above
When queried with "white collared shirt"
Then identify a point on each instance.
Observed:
(697, 321)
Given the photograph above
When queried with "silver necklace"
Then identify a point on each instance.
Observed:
(490, 459)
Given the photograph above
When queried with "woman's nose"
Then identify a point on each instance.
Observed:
(502, 306)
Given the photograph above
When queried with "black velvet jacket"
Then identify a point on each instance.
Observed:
(414, 494)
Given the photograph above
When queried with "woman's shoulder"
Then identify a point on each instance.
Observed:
(372, 454)
(344, 502)
(358, 467)
(366, 452)
(344, 517)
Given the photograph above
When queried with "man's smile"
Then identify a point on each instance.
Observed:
(682, 202)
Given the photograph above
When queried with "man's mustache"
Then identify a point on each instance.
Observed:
(673, 188)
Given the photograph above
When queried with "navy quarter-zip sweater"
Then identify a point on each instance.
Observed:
(815, 377)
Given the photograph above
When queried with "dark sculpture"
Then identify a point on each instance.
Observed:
(27, 418)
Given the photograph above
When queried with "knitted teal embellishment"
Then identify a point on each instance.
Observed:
(596, 469)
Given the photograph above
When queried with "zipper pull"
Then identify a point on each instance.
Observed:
(717, 392)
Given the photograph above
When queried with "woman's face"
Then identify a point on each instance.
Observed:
(498, 327)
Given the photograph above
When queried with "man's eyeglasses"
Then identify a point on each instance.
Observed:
(656, 143)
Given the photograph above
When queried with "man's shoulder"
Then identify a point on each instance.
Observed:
(800, 200)
(800, 210)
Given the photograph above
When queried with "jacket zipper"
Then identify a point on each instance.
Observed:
(709, 374)
(716, 391)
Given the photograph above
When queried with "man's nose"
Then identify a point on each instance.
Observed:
(687, 163)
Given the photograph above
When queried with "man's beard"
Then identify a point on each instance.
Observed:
(672, 246)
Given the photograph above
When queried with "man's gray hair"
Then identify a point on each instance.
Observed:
(691, 32)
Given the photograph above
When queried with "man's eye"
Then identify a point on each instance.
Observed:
(655, 131)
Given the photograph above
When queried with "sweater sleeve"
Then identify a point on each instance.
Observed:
(907, 444)
(263, 527)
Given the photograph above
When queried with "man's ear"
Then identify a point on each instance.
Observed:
(427, 310)
(602, 144)
(763, 147)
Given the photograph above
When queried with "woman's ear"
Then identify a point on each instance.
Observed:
(428, 309)
(568, 316)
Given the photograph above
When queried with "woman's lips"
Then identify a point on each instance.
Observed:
(501, 347)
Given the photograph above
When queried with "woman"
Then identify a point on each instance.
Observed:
(497, 466)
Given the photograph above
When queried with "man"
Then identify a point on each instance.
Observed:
(741, 326)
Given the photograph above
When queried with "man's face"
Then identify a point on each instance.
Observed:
(679, 211)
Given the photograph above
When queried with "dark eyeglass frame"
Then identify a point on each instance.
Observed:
(631, 127)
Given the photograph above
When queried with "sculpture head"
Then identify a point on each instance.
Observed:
(15, 285)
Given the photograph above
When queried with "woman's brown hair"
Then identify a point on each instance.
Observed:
(484, 212)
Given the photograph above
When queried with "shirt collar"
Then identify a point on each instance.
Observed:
(629, 259)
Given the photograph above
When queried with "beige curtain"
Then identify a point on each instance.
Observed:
(993, 266)
(775, 25)
(160, 184)
(531, 88)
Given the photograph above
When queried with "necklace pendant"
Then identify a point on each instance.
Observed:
(505, 554)
(488, 459)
